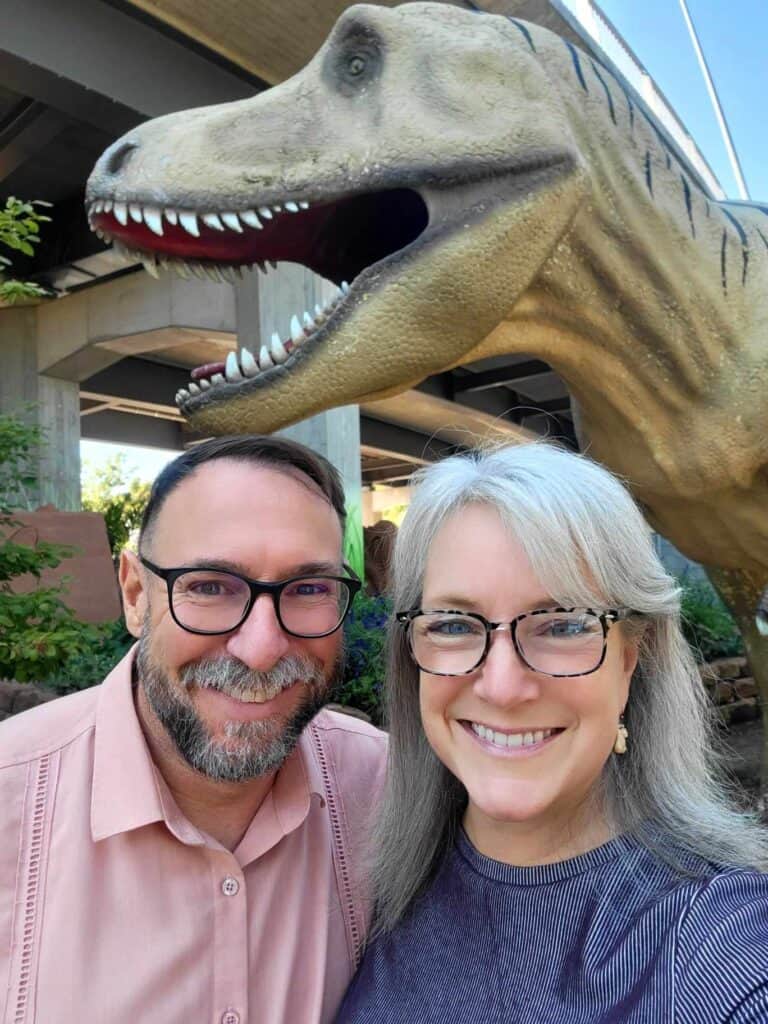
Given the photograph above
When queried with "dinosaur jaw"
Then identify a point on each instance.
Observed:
(386, 243)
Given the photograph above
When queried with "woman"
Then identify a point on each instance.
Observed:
(555, 845)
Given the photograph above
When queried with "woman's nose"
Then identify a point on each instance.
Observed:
(504, 679)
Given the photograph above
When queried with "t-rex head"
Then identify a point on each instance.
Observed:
(410, 158)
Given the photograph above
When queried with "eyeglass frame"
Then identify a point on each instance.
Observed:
(257, 588)
(606, 619)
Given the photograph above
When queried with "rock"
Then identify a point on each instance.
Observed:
(708, 675)
(729, 668)
(746, 687)
(7, 695)
(723, 693)
(741, 711)
(29, 696)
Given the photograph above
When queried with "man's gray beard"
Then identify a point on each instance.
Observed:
(256, 748)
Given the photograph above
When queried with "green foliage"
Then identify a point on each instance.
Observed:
(38, 632)
(88, 667)
(364, 639)
(20, 231)
(119, 495)
(707, 624)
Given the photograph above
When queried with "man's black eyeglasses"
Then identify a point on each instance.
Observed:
(210, 601)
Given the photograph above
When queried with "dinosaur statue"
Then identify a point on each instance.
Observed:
(477, 186)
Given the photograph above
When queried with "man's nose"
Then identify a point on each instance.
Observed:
(504, 679)
(260, 642)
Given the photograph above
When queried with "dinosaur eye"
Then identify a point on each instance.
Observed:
(356, 65)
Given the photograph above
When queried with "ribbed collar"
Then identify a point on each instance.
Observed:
(544, 874)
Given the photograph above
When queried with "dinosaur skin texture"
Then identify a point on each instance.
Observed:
(539, 211)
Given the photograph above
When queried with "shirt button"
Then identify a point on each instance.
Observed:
(230, 1017)
(230, 887)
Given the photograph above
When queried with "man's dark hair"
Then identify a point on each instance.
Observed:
(273, 452)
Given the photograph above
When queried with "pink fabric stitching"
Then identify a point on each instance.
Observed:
(30, 886)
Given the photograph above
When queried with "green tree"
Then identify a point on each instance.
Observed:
(20, 232)
(117, 493)
(38, 631)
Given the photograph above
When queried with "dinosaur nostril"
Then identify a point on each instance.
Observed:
(120, 157)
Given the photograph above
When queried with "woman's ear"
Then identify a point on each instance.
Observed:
(134, 595)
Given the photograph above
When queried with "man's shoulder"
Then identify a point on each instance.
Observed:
(46, 728)
(357, 749)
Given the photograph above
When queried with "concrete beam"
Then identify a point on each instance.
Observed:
(128, 428)
(31, 129)
(84, 333)
(69, 53)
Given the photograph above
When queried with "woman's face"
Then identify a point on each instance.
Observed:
(474, 564)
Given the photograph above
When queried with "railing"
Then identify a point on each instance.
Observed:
(586, 18)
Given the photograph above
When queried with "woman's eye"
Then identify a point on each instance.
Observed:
(450, 627)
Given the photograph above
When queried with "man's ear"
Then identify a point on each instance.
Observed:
(134, 595)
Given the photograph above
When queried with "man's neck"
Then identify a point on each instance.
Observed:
(222, 810)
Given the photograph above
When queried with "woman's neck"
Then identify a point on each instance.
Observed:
(536, 841)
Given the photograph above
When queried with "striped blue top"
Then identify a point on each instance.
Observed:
(614, 936)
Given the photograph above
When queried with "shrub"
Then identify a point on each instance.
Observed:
(109, 642)
(707, 624)
(38, 631)
(363, 675)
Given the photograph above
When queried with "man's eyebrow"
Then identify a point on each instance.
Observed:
(314, 568)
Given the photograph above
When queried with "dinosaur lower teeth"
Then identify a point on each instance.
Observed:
(246, 365)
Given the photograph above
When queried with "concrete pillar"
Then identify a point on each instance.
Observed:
(52, 403)
(266, 304)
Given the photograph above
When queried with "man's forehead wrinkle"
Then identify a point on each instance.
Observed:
(310, 568)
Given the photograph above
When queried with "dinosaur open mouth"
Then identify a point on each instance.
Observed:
(337, 239)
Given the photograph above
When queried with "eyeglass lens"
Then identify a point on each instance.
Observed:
(216, 602)
(557, 643)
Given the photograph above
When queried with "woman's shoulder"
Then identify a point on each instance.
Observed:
(722, 947)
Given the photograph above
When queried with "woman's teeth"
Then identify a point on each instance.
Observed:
(511, 739)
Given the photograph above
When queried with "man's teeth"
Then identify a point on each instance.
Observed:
(258, 696)
(246, 364)
(513, 739)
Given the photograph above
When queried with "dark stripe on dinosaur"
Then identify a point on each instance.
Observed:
(577, 64)
(708, 208)
(648, 174)
(765, 240)
(524, 30)
(688, 203)
(737, 225)
(630, 107)
(608, 96)
(723, 251)
(659, 136)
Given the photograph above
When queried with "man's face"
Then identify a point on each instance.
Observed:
(235, 704)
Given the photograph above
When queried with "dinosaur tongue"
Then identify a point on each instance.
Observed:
(207, 371)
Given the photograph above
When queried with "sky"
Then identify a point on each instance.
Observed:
(733, 35)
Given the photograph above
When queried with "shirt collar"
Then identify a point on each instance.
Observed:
(124, 794)
(128, 794)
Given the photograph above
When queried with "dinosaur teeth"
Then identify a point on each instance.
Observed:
(248, 363)
(172, 216)
(212, 220)
(135, 211)
(194, 389)
(188, 221)
(278, 351)
(250, 218)
(265, 359)
(232, 369)
(153, 218)
(265, 212)
(232, 221)
(120, 210)
(297, 332)
(292, 207)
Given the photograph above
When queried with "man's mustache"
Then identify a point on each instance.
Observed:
(232, 677)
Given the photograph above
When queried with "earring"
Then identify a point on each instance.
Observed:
(622, 734)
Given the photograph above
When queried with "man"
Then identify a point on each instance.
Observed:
(178, 843)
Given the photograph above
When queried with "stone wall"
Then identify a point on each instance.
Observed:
(733, 692)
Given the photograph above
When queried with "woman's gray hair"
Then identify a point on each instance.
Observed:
(590, 546)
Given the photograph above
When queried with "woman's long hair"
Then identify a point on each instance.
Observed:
(590, 546)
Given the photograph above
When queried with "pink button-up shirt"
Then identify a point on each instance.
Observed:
(114, 909)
